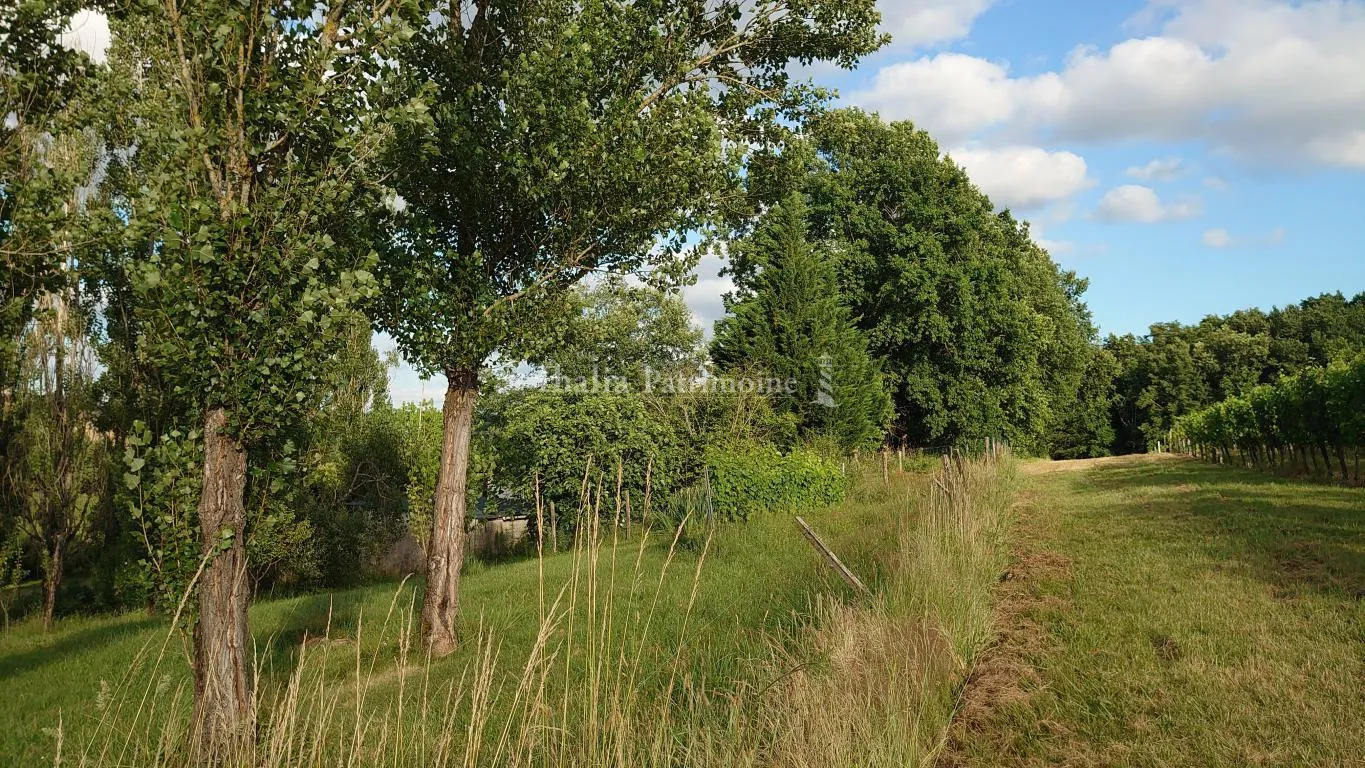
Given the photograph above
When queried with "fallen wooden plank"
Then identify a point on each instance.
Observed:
(848, 576)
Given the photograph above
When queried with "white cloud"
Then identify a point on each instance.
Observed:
(1221, 238)
(1270, 81)
(953, 95)
(1024, 177)
(1216, 183)
(1346, 149)
(925, 22)
(704, 298)
(1217, 238)
(88, 31)
(1056, 247)
(1161, 169)
(1132, 203)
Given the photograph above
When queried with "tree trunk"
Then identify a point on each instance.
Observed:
(52, 581)
(222, 684)
(445, 553)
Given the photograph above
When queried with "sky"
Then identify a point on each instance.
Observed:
(1187, 157)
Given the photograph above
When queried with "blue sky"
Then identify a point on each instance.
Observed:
(1188, 157)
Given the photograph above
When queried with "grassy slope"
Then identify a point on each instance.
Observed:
(756, 578)
(1192, 615)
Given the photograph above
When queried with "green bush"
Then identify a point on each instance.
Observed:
(757, 478)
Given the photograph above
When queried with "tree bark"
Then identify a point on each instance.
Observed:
(52, 581)
(445, 553)
(222, 683)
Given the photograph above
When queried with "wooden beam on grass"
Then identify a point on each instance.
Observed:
(848, 576)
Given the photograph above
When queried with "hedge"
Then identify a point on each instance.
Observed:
(757, 478)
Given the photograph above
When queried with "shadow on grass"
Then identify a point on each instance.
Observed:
(284, 627)
(80, 642)
(1299, 536)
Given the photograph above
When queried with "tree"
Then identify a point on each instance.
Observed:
(57, 464)
(1086, 429)
(567, 139)
(256, 129)
(60, 463)
(38, 80)
(786, 320)
(615, 329)
(982, 335)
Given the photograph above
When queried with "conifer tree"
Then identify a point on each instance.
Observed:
(786, 321)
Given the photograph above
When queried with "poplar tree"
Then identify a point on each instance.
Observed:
(38, 80)
(567, 139)
(256, 130)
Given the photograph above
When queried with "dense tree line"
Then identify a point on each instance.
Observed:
(1179, 369)
(979, 333)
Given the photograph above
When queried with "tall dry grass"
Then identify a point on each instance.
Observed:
(875, 684)
(866, 683)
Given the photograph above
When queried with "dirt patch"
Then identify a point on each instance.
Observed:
(1002, 675)
(1301, 567)
(1167, 649)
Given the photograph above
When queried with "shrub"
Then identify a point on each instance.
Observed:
(757, 478)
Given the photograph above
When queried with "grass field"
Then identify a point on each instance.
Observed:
(1155, 612)
(1165, 612)
(752, 585)
(723, 646)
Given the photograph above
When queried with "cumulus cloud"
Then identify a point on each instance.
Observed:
(953, 95)
(88, 31)
(1270, 81)
(1133, 203)
(1161, 169)
(1023, 177)
(914, 23)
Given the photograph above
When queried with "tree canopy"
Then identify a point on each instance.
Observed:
(981, 333)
